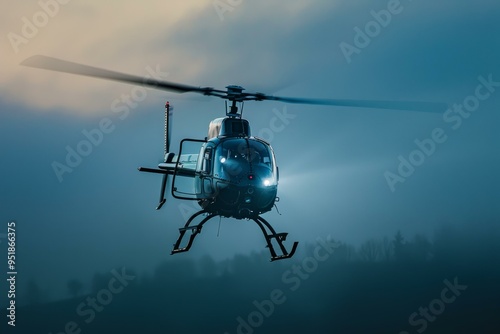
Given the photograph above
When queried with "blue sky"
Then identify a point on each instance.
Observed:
(332, 160)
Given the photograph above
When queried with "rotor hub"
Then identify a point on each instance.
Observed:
(235, 93)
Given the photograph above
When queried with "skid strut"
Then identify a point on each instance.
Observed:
(194, 229)
(261, 222)
(280, 237)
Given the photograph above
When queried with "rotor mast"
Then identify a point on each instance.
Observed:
(234, 94)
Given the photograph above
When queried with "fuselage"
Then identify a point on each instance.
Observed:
(233, 175)
(237, 176)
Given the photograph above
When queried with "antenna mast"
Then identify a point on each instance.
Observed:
(167, 132)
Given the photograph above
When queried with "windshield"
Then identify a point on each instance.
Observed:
(239, 157)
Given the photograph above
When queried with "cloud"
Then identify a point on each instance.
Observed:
(424, 53)
(116, 35)
(186, 39)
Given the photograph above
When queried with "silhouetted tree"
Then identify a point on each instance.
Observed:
(344, 253)
(208, 267)
(175, 270)
(399, 247)
(370, 250)
(420, 249)
(387, 249)
(74, 287)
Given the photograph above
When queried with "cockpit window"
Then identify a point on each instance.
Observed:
(240, 157)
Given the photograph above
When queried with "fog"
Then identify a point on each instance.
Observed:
(396, 284)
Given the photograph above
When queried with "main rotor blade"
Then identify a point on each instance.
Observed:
(59, 65)
(374, 104)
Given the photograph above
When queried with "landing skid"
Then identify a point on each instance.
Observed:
(269, 234)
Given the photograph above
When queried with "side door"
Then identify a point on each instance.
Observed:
(206, 170)
(187, 182)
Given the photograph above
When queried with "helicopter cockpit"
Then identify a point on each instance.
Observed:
(240, 159)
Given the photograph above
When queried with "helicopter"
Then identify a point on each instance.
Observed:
(230, 173)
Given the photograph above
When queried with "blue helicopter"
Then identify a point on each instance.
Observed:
(230, 173)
